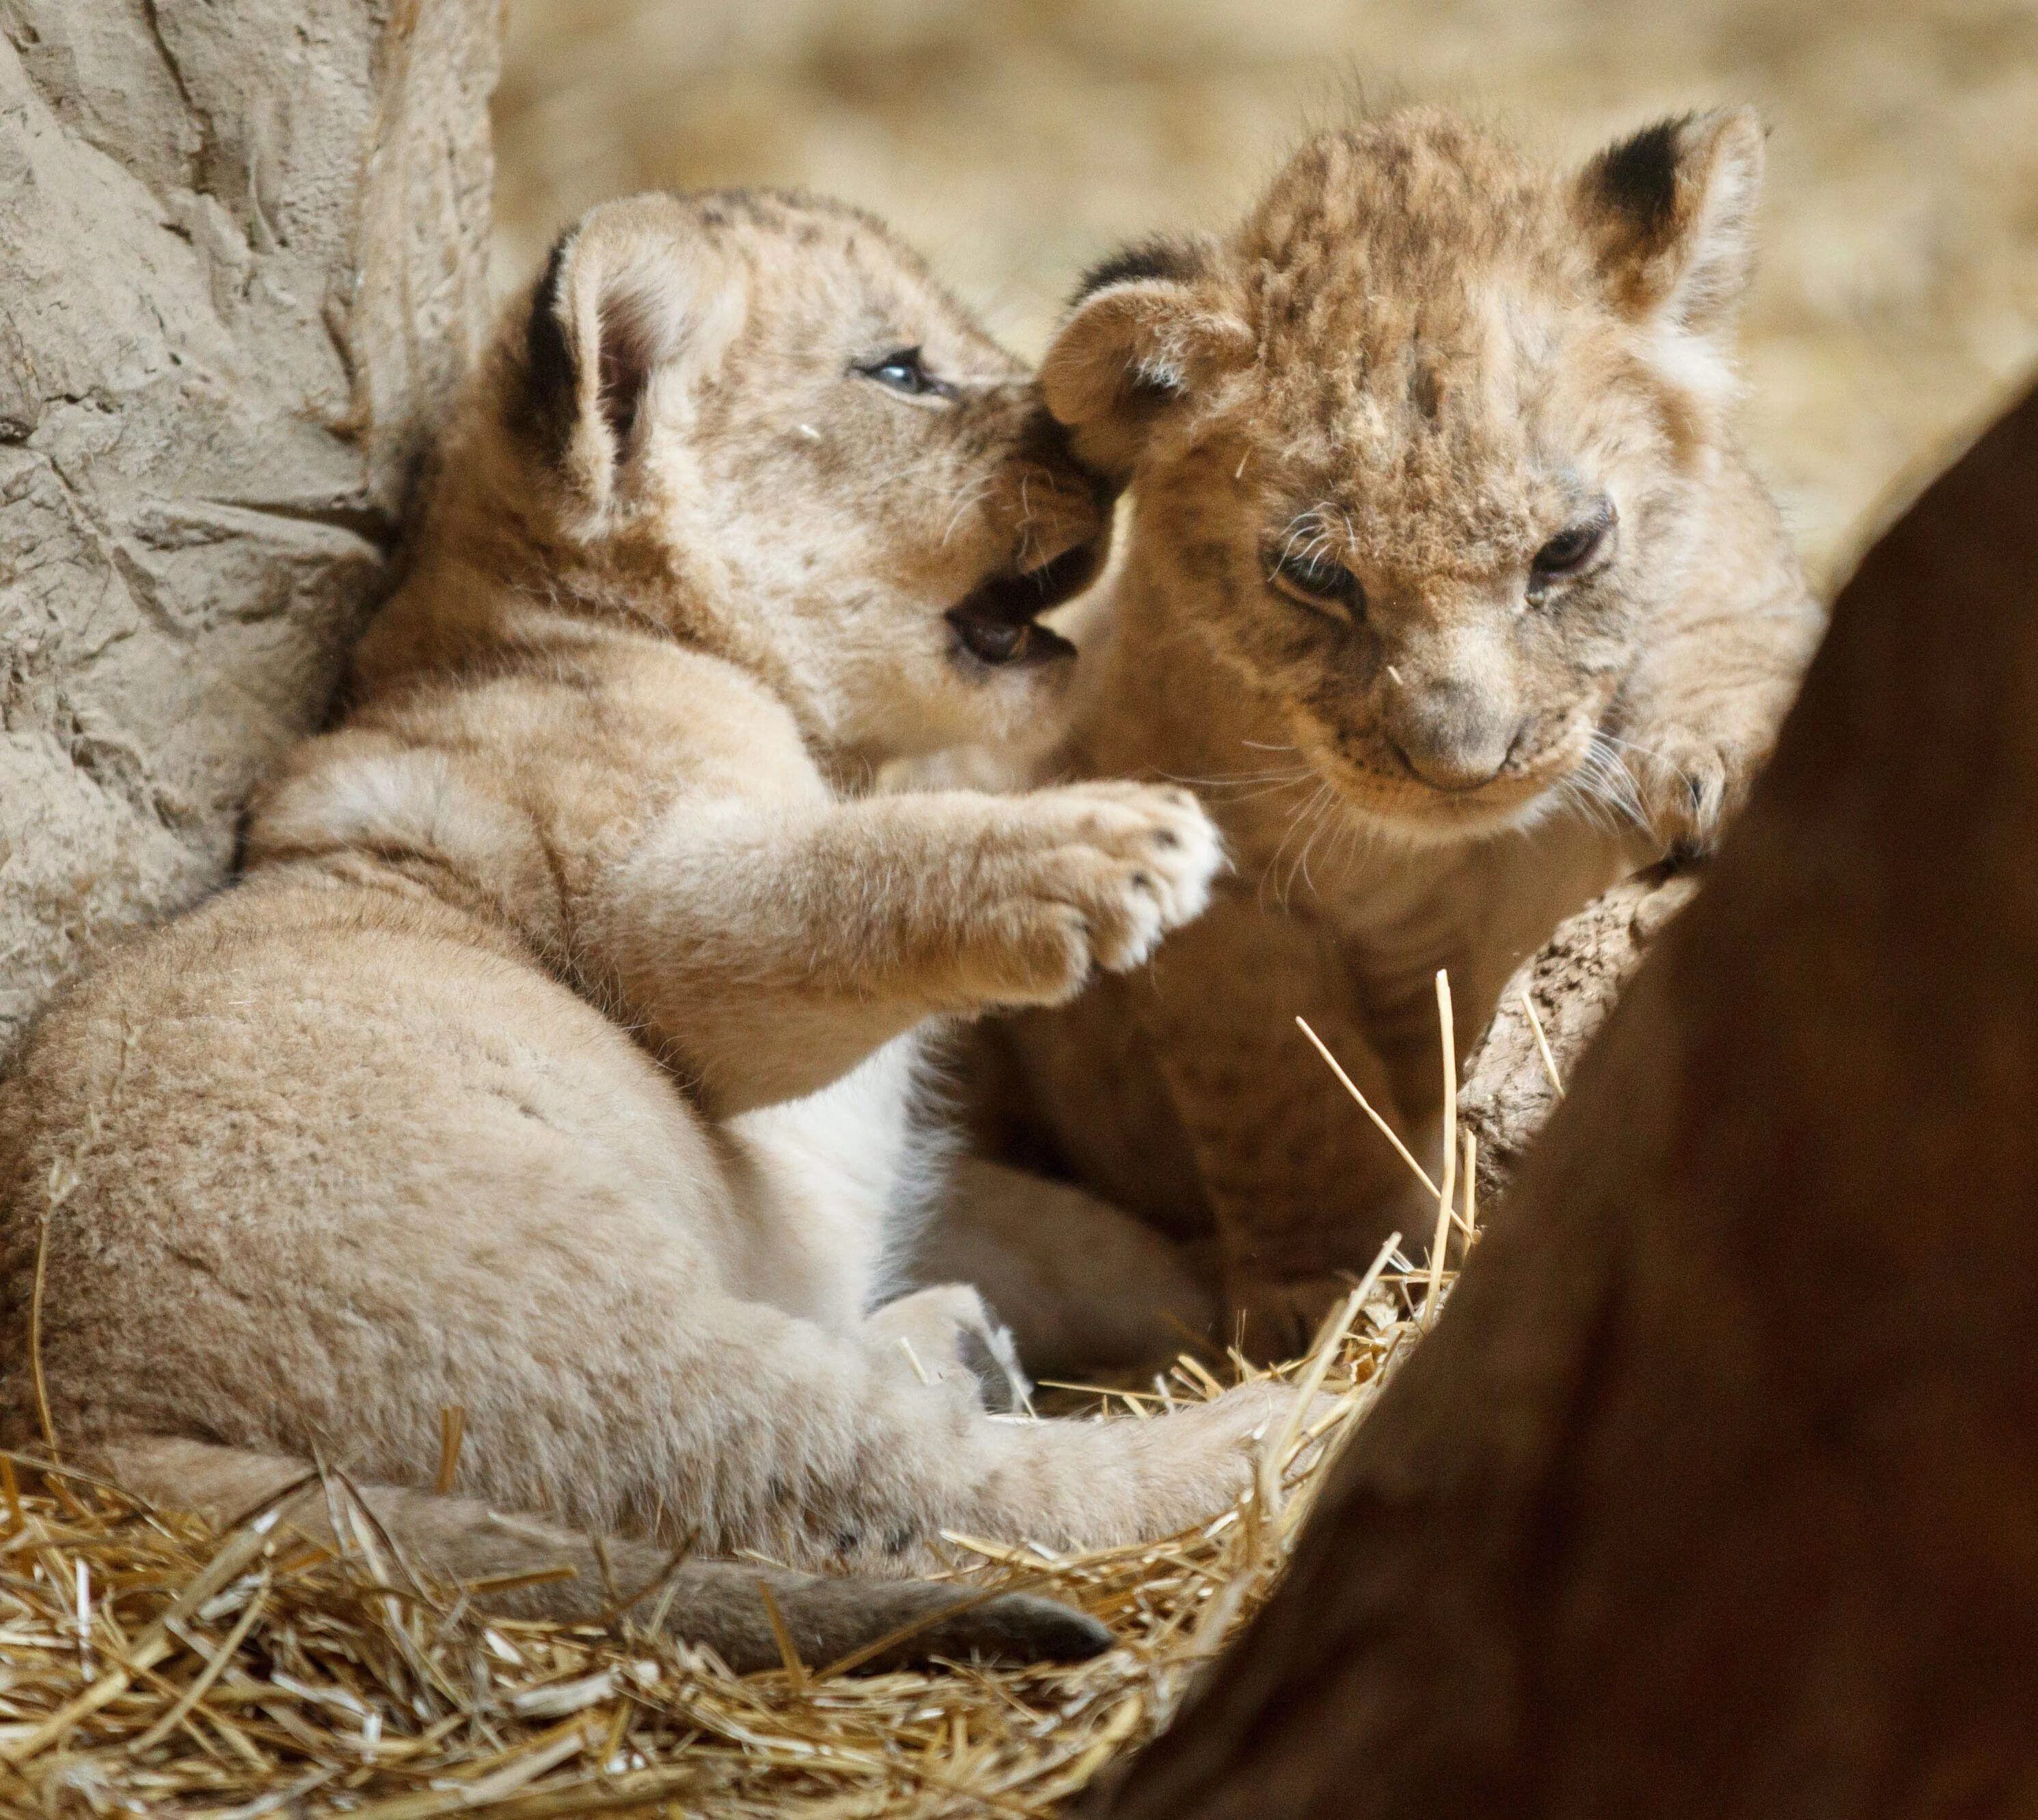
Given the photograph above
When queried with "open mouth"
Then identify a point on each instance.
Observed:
(997, 622)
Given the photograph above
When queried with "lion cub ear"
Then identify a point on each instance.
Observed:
(1669, 214)
(1147, 330)
(633, 306)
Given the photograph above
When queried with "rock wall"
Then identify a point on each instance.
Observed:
(245, 260)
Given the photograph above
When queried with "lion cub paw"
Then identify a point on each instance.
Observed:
(947, 1335)
(1690, 785)
(1217, 1445)
(1277, 1318)
(1089, 875)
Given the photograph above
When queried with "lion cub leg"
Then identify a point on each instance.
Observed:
(773, 946)
(1302, 1188)
(751, 1429)
(947, 1334)
(1085, 1286)
(926, 1459)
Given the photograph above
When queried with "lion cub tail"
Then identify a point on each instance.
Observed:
(510, 1564)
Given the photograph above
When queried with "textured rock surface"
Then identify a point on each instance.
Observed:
(1573, 983)
(245, 257)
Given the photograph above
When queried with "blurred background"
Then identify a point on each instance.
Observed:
(1016, 140)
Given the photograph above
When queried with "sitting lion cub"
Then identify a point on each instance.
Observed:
(1449, 589)
(555, 1061)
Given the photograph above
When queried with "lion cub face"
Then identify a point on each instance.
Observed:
(761, 419)
(1418, 447)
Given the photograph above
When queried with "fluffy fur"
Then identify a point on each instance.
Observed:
(554, 1058)
(1364, 433)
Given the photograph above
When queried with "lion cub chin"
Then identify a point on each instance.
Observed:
(1449, 585)
(554, 1060)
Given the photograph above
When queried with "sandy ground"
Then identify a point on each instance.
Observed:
(1015, 140)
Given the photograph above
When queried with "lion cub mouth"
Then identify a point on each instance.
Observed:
(998, 621)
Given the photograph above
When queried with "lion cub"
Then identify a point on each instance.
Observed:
(554, 1060)
(1449, 589)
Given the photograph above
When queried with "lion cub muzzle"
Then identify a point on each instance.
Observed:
(998, 622)
(1453, 733)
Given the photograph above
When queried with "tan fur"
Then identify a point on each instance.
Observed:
(556, 1058)
(1422, 359)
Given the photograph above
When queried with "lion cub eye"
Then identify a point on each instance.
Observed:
(1317, 582)
(1573, 547)
(905, 371)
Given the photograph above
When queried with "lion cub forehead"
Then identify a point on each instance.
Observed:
(1427, 334)
(1403, 231)
(888, 286)
(815, 254)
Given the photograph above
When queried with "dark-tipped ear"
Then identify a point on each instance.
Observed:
(1148, 327)
(631, 303)
(1670, 214)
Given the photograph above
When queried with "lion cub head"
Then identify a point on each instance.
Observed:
(755, 420)
(1418, 448)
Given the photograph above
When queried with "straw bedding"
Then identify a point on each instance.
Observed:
(151, 1665)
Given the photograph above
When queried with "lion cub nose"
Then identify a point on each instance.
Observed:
(1447, 736)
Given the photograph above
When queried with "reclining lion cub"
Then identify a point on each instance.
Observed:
(554, 1060)
(1449, 589)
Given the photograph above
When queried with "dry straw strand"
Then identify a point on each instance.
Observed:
(453, 1433)
(1542, 1044)
(1366, 1105)
(1446, 1189)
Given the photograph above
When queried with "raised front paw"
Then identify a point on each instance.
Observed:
(1088, 875)
(947, 1335)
